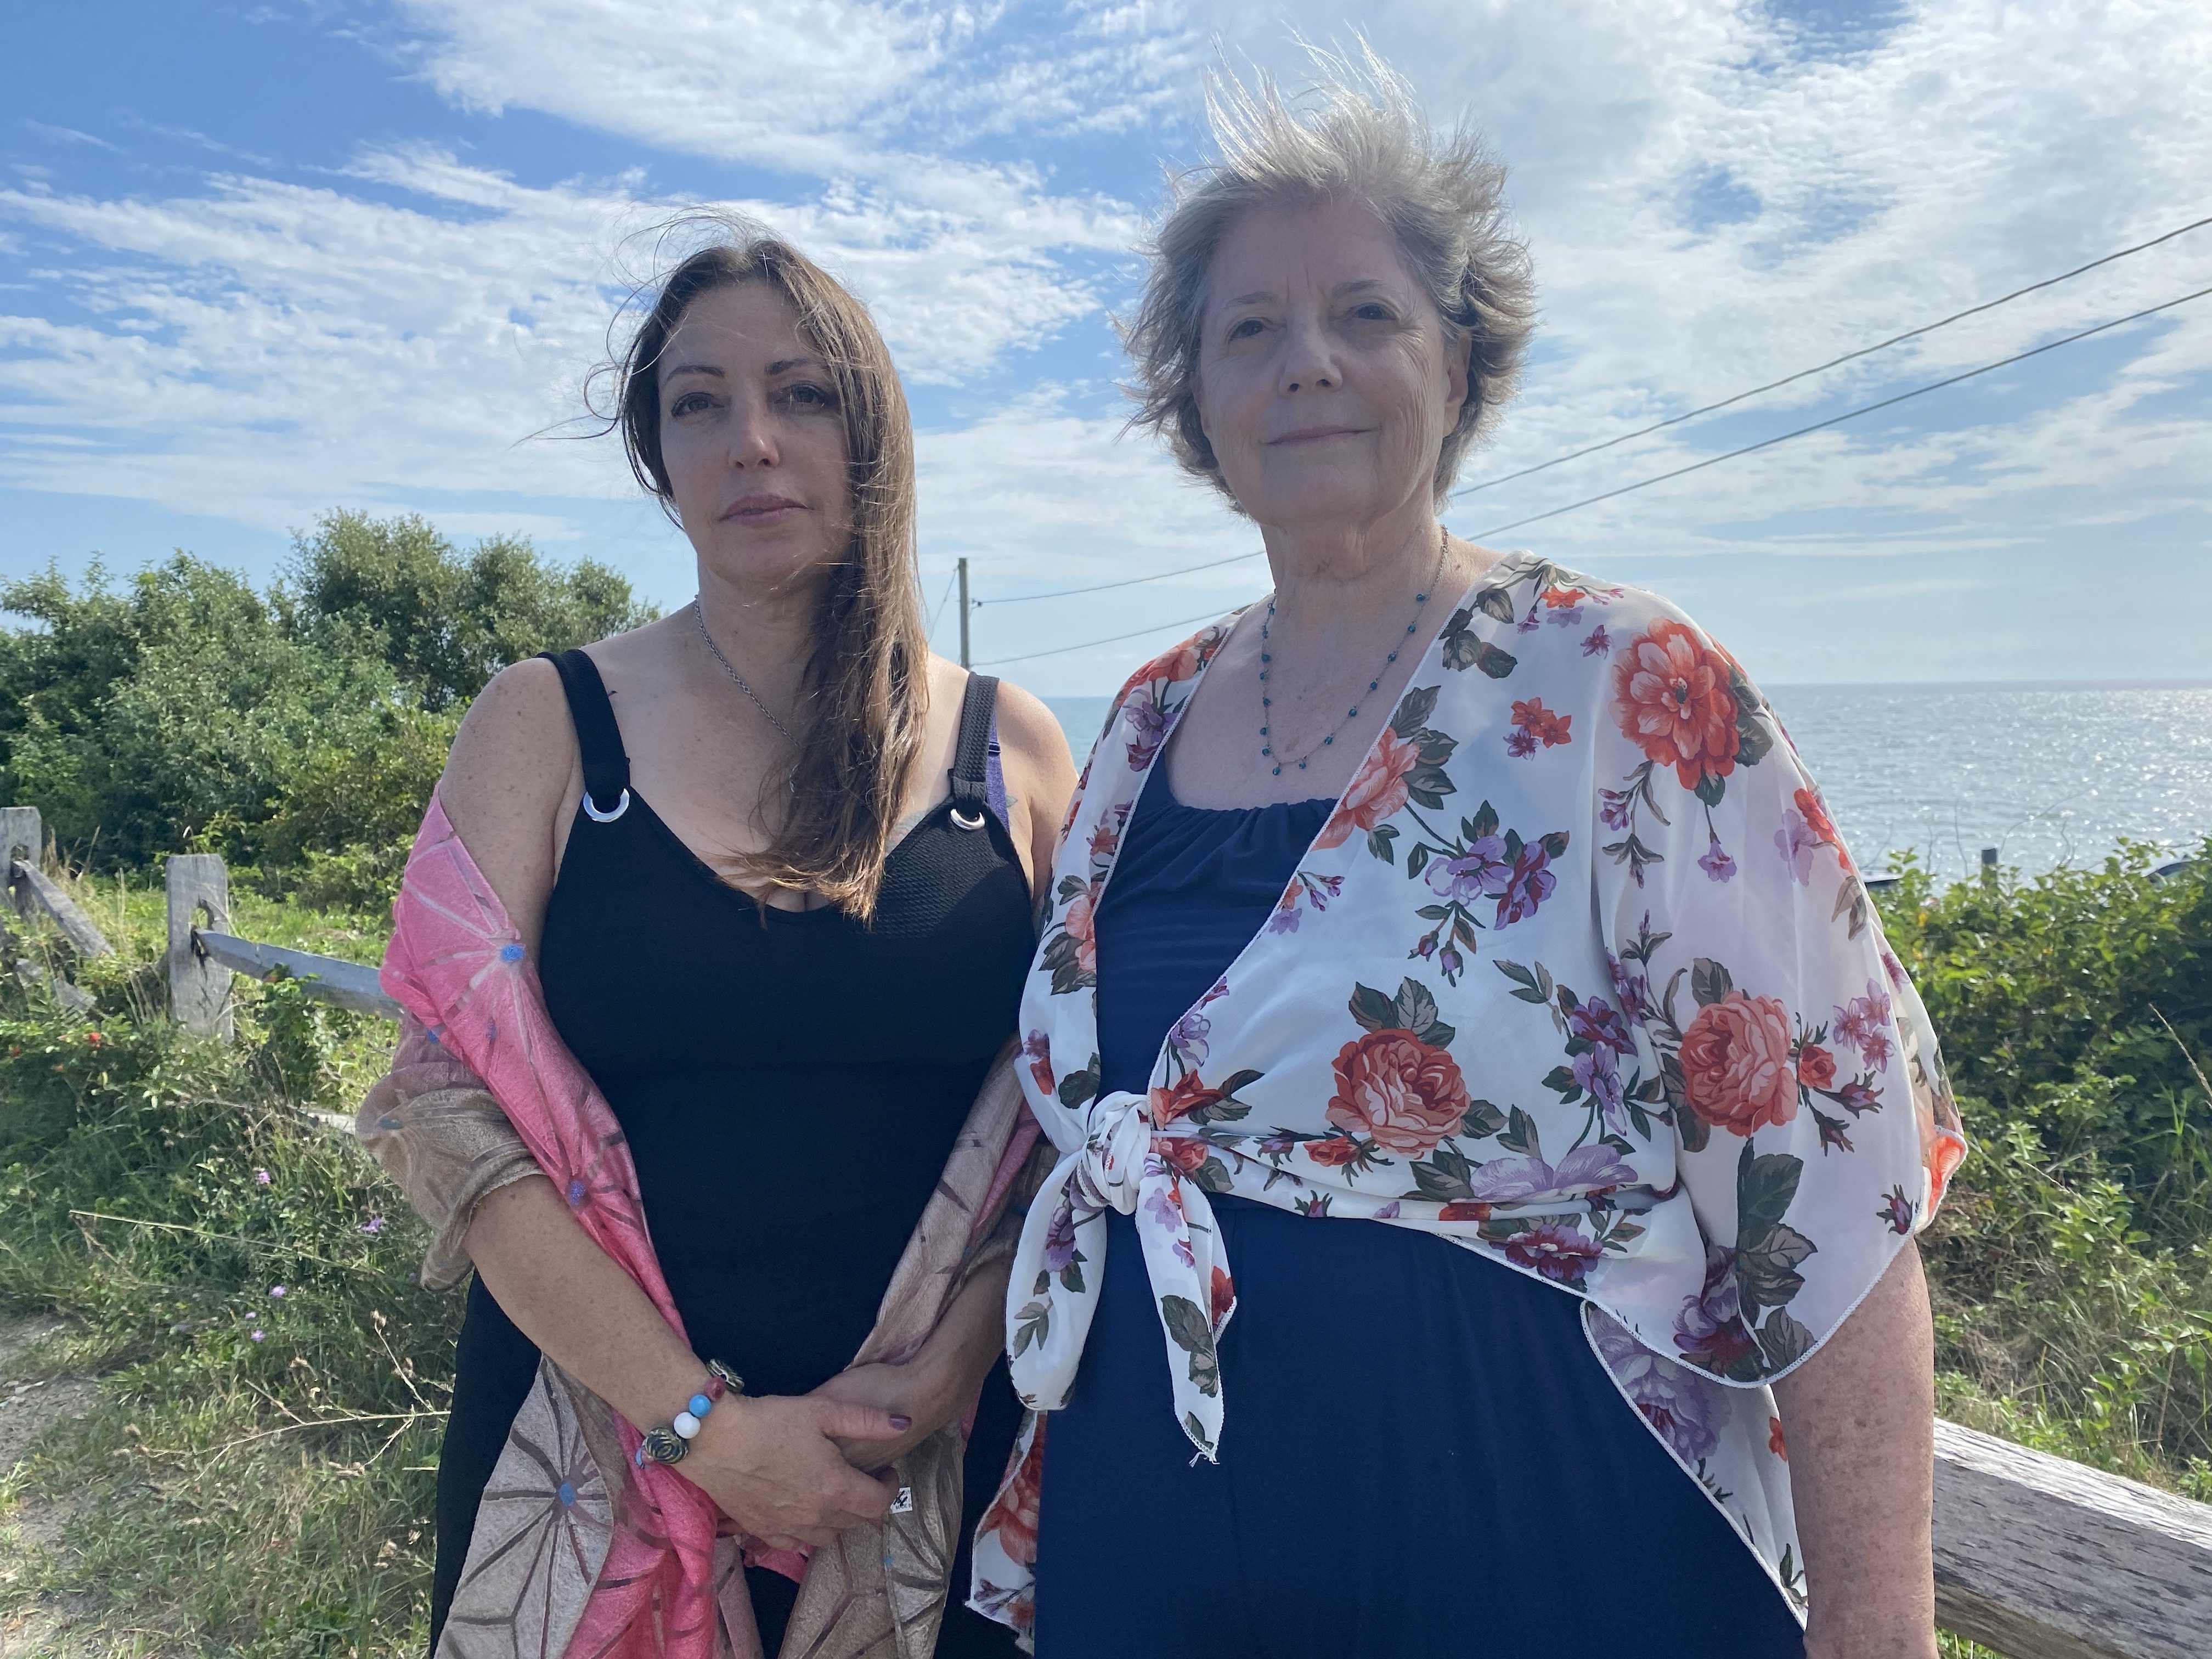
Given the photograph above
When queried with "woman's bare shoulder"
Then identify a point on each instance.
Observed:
(512, 767)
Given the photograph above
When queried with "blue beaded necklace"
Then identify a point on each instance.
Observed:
(1267, 702)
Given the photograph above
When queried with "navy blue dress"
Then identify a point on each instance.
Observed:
(1486, 1489)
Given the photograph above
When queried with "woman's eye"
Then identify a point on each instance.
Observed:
(691, 403)
(1246, 330)
(1373, 312)
(806, 396)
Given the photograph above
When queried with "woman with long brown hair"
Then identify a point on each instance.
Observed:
(775, 866)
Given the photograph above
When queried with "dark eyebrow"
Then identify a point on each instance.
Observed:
(782, 365)
(693, 368)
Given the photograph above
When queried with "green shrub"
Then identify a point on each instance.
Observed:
(2071, 1268)
(297, 733)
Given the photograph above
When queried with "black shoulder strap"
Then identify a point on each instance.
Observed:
(971, 760)
(606, 767)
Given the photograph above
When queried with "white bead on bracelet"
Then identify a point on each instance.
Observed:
(688, 1422)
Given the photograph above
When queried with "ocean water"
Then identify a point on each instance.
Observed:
(2047, 775)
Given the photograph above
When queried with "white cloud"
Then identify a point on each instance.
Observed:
(264, 347)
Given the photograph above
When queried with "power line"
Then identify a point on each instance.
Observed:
(1847, 415)
(939, 611)
(1111, 639)
(1698, 466)
(1126, 582)
(1834, 362)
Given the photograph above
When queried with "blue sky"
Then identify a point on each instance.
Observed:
(256, 261)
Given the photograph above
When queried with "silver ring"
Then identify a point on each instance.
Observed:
(962, 820)
(596, 816)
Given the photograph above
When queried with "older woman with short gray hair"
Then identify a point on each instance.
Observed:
(1467, 1039)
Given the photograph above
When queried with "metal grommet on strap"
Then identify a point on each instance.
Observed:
(591, 810)
(966, 817)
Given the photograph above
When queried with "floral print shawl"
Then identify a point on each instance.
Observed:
(1577, 975)
(577, 1551)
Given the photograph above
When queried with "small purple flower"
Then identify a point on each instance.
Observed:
(1530, 623)
(257, 1335)
(1796, 843)
(1596, 644)
(1532, 884)
(261, 1177)
(1710, 1330)
(1479, 872)
(1613, 808)
(1896, 1211)
(1628, 985)
(1598, 1070)
(373, 1226)
(1686, 1411)
(1864, 1023)
(1857, 1099)
(1594, 1021)
(277, 1291)
(1188, 1038)
(1567, 615)
(1451, 964)
(1147, 721)
(1520, 743)
(1716, 864)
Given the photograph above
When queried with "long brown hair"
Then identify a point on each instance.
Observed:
(863, 698)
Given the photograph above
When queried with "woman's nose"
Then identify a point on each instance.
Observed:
(1308, 362)
(752, 441)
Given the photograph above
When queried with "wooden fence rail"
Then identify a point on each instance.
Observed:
(2036, 1557)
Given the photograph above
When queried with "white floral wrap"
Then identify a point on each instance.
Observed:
(1578, 974)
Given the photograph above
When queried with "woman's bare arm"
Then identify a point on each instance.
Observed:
(771, 1464)
(1859, 1420)
(1040, 777)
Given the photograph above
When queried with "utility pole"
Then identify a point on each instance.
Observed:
(963, 613)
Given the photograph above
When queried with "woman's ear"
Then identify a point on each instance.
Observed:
(1458, 356)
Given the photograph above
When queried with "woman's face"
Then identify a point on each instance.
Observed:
(1327, 380)
(752, 438)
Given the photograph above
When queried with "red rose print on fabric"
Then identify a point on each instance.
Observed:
(1398, 1092)
(1377, 790)
(1013, 1514)
(1737, 1066)
(1673, 697)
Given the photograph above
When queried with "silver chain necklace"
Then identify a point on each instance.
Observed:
(1267, 704)
(730, 669)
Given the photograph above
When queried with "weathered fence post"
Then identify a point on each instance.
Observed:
(199, 987)
(23, 834)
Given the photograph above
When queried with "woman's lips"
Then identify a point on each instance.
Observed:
(1313, 435)
(761, 509)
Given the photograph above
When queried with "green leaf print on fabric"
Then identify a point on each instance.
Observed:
(1186, 1324)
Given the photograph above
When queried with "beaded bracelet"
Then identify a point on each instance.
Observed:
(668, 1443)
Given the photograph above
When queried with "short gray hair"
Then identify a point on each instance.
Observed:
(1361, 134)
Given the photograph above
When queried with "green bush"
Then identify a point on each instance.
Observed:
(297, 733)
(2070, 1269)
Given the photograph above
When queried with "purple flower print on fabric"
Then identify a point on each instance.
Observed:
(1798, 843)
(1686, 1415)
(1484, 872)
(1716, 864)
(1597, 644)
(1531, 885)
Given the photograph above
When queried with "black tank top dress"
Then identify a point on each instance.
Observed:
(790, 1084)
